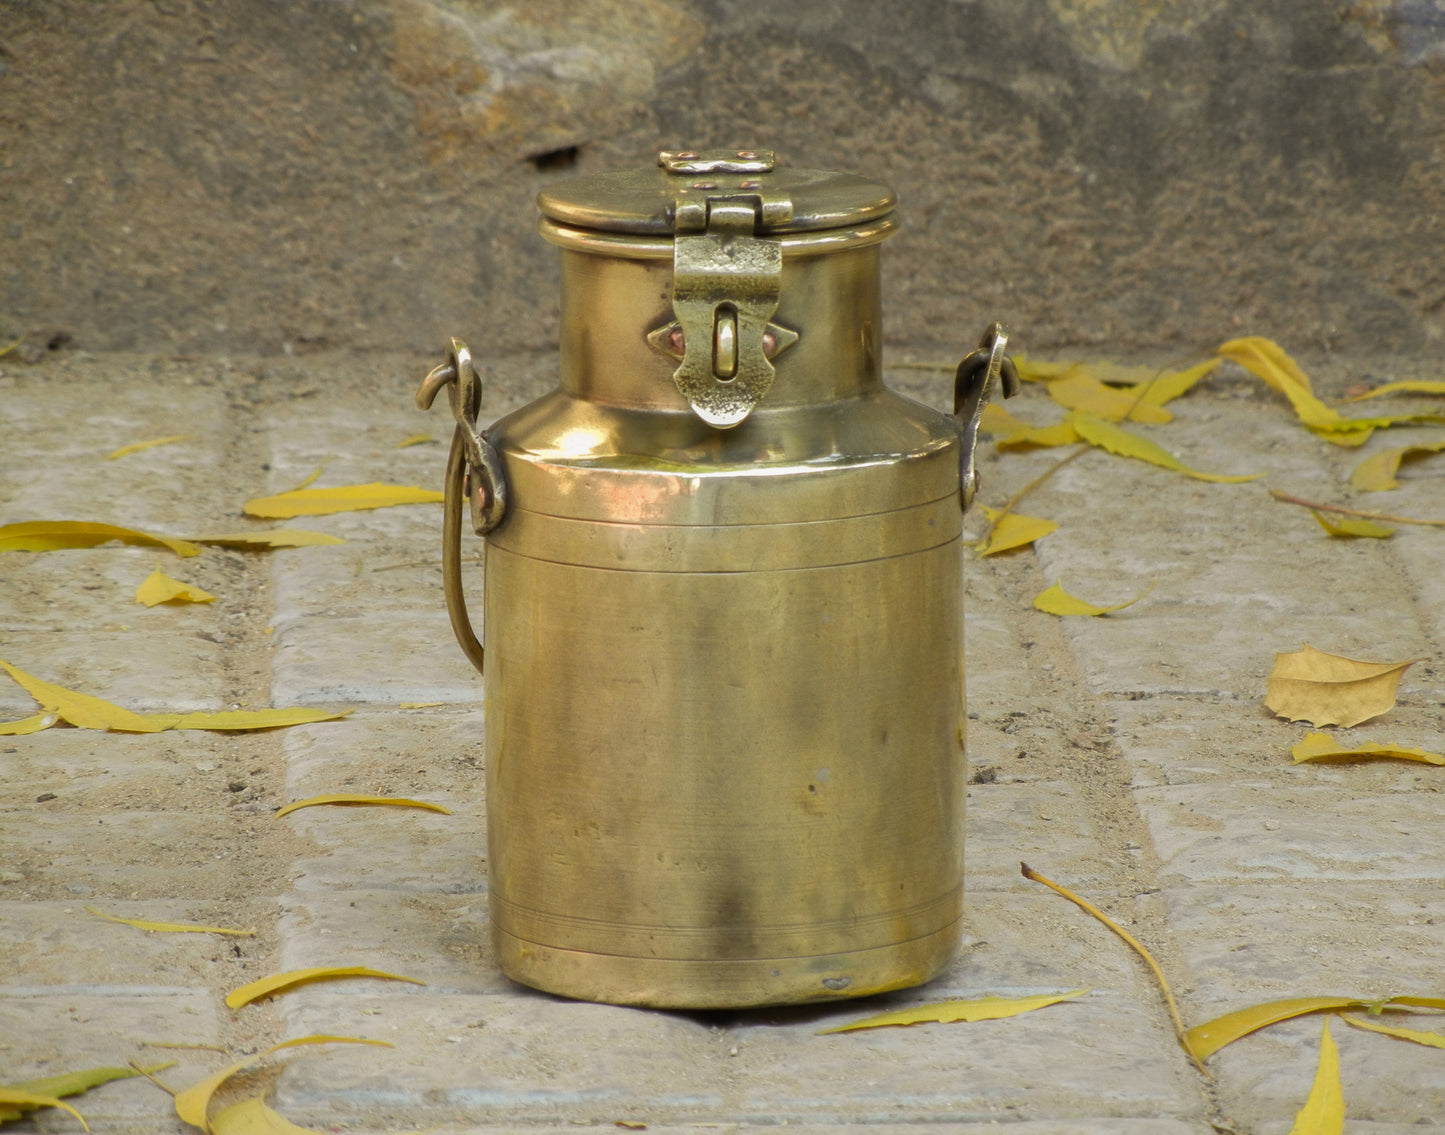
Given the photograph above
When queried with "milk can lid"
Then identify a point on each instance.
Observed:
(646, 201)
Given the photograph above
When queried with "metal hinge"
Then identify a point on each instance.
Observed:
(725, 281)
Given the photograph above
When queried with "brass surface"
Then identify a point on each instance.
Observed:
(724, 686)
(643, 201)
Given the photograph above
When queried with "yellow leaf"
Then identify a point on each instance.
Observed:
(310, 480)
(1168, 385)
(46, 1091)
(1135, 945)
(1324, 1110)
(13, 1098)
(191, 1104)
(1408, 387)
(1056, 601)
(1015, 433)
(1354, 432)
(1266, 360)
(281, 982)
(998, 422)
(1118, 441)
(244, 720)
(1328, 689)
(53, 535)
(1376, 474)
(1323, 747)
(345, 498)
(1432, 1040)
(1080, 392)
(1033, 370)
(1351, 526)
(136, 447)
(253, 1117)
(28, 725)
(1012, 531)
(81, 709)
(420, 704)
(946, 1012)
(172, 927)
(415, 439)
(88, 712)
(161, 588)
(1210, 1037)
(354, 798)
(1061, 433)
(271, 538)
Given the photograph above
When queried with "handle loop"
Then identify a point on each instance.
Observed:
(978, 374)
(474, 473)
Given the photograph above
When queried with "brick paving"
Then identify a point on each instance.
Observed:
(1129, 758)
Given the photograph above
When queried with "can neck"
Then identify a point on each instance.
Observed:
(621, 343)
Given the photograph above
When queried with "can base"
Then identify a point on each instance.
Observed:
(681, 983)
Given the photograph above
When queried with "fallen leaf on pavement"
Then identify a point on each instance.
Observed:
(1323, 747)
(1377, 473)
(1351, 526)
(253, 1117)
(1167, 385)
(1324, 1109)
(1083, 904)
(344, 498)
(271, 538)
(1010, 432)
(1266, 359)
(160, 588)
(1056, 601)
(86, 712)
(1409, 386)
(281, 982)
(26, 725)
(1080, 392)
(79, 709)
(46, 1092)
(414, 439)
(172, 927)
(14, 1103)
(1431, 1040)
(1118, 441)
(137, 446)
(55, 535)
(356, 798)
(1010, 531)
(245, 720)
(191, 1104)
(1328, 689)
(946, 1012)
(1210, 1037)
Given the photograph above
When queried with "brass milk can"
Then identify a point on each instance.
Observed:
(723, 603)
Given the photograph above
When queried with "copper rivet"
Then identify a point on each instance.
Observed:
(704, 185)
(770, 344)
(751, 185)
(687, 155)
(748, 155)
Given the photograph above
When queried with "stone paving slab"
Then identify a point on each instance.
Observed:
(184, 672)
(1383, 1078)
(1247, 943)
(1129, 758)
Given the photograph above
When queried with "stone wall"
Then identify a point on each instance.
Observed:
(259, 176)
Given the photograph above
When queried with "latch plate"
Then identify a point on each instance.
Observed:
(725, 285)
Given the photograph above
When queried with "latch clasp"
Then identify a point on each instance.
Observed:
(726, 277)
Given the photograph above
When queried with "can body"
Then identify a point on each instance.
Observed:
(723, 675)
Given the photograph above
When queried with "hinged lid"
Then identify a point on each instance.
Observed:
(646, 201)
